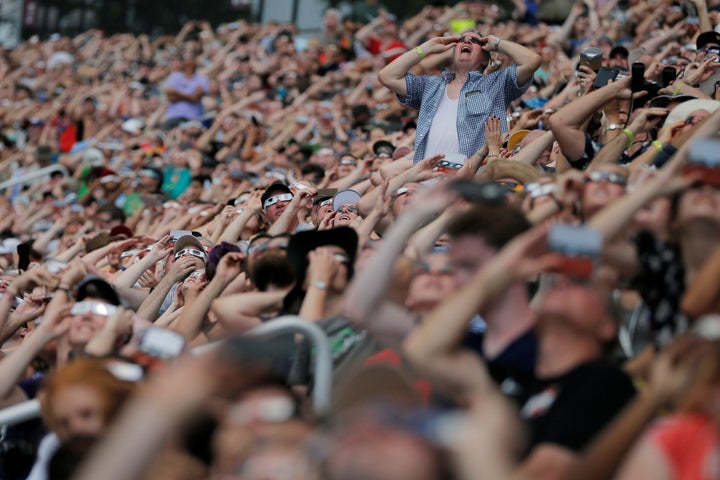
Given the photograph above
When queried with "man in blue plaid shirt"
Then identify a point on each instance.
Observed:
(454, 106)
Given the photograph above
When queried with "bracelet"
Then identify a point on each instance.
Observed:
(420, 53)
(677, 89)
(657, 145)
(630, 136)
(497, 44)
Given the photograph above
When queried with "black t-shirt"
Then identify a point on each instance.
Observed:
(513, 368)
(569, 410)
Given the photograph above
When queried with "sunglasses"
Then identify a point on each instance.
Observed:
(539, 189)
(262, 246)
(347, 162)
(512, 186)
(612, 177)
(95, 308)
(285, 197)
(449, 164)
(424, 267)
(348, 209)
(468, 38)
(190, 251)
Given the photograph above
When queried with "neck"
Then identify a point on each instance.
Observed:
(507, 320)
(561, 349)
(697, 242)
(334, 304)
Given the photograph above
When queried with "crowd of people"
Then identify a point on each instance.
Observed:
(504, 219)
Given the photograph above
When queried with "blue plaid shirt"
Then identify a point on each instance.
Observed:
(480, 97)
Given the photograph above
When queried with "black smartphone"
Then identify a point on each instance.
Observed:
(605, 75)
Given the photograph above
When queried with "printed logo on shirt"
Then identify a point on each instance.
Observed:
(540, 403)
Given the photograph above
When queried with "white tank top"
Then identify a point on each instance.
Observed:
(443, 137)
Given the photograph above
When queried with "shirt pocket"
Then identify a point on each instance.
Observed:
(477, 104)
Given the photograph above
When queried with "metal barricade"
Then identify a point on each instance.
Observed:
(30, 176)
(322, 386)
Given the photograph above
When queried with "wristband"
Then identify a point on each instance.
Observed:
(657, 145)
(630, 136)
(420, 53)
(677, 89)
(497, 44)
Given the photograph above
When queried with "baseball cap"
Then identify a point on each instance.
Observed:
(93, 286)
(706, 38)
(274, 188)
(187, 241)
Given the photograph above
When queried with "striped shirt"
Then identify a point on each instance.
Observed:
(480, 97)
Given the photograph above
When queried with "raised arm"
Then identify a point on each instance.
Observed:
(393, 75)
(567, 124)
(527, 60)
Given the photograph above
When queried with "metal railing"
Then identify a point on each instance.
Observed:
(30, 176)
(322, 385)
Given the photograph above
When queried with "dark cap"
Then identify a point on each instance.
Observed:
(43, 153)
(275, 187)
(662, 101)
(619, 50)
(707, 38)
(303, 243)
(93, 286)
(121, 230)
(383, 146)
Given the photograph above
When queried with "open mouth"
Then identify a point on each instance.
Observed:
(344, 217)
(465, 49)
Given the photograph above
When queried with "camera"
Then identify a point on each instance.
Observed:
(591, 57)
(639, 84)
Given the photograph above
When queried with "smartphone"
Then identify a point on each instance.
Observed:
(591, 57)
(605, 75)
(704, 157)
(580, 248)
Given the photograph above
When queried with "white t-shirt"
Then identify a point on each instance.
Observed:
(443, 137)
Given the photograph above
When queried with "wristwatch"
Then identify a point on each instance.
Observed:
(614, 126)
(319, 285)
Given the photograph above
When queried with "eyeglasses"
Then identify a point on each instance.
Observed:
(285, 197)
(95, 308)
(468, 38)
(192, 252)
(612, 177)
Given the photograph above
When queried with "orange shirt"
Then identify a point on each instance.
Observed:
(690, 443)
